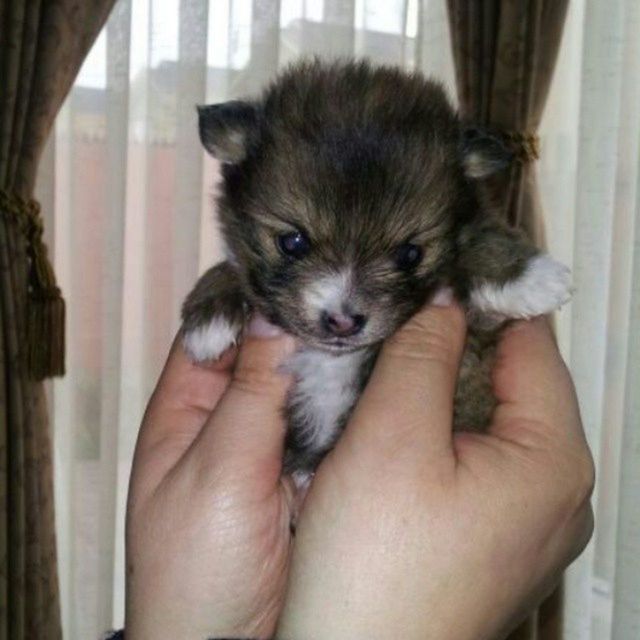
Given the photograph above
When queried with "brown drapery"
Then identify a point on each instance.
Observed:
(42, 45)
(504, 53)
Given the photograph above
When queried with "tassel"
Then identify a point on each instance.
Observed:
(45, 307)
(525, 146)
(45, 334)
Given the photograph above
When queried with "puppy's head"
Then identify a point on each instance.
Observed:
(344, 189)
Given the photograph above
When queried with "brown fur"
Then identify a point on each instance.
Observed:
(361, 160)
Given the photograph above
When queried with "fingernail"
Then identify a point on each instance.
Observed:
(443, 297)
(260, 327)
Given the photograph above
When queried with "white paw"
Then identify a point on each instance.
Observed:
(209, 341)
(544, 287)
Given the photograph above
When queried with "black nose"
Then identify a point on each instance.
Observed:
(343, 324)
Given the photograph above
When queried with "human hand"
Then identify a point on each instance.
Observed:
(208, 517)
(411, 532)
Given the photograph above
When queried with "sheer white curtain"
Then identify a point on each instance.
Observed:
(129, 190)
(590, 169)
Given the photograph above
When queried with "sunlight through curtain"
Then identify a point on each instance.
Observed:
(132, 226)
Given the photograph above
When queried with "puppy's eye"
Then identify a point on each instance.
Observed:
(408, 256)
(294, 244)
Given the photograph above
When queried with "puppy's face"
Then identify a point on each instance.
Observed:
(341, 204)
(342, 238)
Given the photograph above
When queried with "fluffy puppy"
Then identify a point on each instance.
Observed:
(349, 197)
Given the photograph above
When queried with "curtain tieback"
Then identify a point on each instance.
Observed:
(525, 146)
(46, 308)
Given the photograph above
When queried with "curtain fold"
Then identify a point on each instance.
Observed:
(42, 44)
(504, 54)
(124, 150)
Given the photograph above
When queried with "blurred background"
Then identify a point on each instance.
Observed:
(127, 194)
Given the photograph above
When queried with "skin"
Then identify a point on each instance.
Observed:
(406, 528)
(208, 535)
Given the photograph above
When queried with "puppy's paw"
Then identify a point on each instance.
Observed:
(209, 340)
(213, 314)
(543, 287)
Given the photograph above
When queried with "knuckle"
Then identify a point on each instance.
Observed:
(585, 527)
(426, 337)
(586, 476)
(256, 381)
(580, 477)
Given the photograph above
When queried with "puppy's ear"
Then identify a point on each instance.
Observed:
(483, 153)
(228, 129)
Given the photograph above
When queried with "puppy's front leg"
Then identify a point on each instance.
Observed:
(503, 277)
(213, 314)
(508, 278)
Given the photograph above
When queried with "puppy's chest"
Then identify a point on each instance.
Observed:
(326, 386)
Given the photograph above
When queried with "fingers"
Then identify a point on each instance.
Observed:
(532, 384)
(184, 397)
(248, 426)
(180, 405)
(408, 402)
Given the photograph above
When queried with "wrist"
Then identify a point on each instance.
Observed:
(161, 623)
(352, 607)
(119, 635)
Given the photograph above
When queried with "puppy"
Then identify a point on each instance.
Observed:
(349, 199)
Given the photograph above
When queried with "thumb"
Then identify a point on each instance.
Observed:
(407, 406)
(248, 425)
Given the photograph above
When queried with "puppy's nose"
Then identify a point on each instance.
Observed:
(343, 324)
